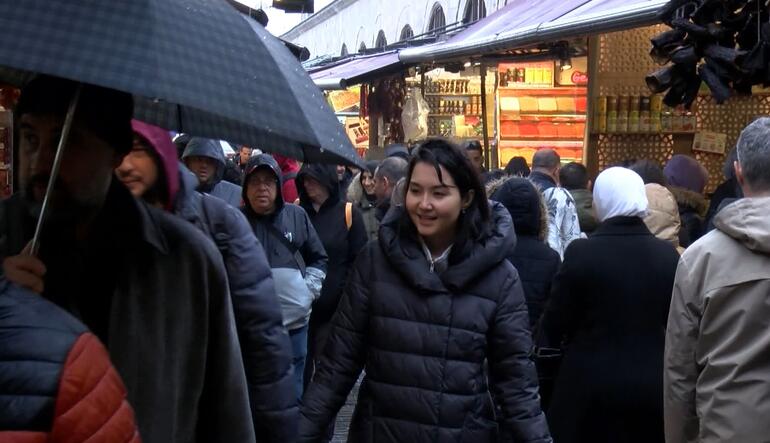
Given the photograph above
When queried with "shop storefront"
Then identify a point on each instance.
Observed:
(8, 96)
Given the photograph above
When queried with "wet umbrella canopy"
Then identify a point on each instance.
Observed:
(195, 66)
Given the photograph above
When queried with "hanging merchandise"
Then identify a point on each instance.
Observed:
(415, 117)
(386, 101)
(725, 45)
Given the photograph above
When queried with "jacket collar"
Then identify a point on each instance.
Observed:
(622, 226)
(408, 258)
(544, 181)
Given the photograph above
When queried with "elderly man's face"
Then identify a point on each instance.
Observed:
(86, 168)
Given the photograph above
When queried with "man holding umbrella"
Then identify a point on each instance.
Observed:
(149, 285)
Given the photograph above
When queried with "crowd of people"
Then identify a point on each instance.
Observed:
(179, 296)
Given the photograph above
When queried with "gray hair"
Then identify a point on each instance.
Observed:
(392, 168)
(546, 159)
(754, 154)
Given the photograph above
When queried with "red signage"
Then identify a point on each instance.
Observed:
(579, 78)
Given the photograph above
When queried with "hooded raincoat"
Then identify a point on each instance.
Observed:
(662, 217)
(716, 366)
(423, 338)
(341, 243)
(265, 345)
(299, 271)
(203, 147)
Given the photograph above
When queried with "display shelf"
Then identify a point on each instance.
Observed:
(646, 133)
(450, 94)
(578, 91)
(453, 115)
(513, 116)
(518, 143)
(538, 137)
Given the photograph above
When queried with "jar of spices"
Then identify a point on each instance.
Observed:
(644, 115)
(624, 104)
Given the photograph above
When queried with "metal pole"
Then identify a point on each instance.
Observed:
(484, 124)
(65, 132)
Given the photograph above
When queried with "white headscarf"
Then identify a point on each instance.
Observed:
(619, 192)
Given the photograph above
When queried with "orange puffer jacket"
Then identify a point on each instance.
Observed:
(58, 382)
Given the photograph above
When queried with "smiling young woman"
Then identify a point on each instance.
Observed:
(423, 309)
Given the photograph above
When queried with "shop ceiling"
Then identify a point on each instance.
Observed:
(522, 30)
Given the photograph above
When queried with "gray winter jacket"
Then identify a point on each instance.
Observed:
(203, 147)
(717, 343)
(298, 261)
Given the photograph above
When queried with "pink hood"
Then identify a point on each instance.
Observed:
(288, 165)
(160, 140)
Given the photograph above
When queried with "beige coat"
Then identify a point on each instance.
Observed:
(663, 215)
(717, 359)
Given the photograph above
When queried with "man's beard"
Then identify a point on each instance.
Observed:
(64, 208)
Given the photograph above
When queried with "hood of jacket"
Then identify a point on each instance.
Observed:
(326, 175)
(687, 199)
(287, 164)
(160, 141)
(525, 204)
(662, 214)
(405, 252)
(205, 147)
(268, 162)
(746, 221)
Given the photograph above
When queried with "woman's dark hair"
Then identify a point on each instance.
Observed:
(473, 223)
(650, 172)
(517, 167)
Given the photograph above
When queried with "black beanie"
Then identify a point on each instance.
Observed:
(105, 112)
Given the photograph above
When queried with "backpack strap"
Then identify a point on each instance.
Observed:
(349, 215)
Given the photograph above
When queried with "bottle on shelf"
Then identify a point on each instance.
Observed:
(656, 108)
(634, 114)
(667, 120)
(612, 114)
(645, 118)
(600, 116)
(623, 106)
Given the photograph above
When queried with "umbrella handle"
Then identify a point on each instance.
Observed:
(65, 132)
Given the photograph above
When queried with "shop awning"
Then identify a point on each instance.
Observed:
(528, 22)
(356, 70)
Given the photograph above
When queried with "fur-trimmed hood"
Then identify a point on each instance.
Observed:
(690, 200)
(525, 204)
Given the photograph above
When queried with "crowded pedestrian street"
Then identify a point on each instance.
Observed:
(330, 221)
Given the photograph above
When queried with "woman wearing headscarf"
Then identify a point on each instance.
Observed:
(608, 311)
(361, 193)
(686, 180)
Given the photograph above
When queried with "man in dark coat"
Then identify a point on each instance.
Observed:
(341, 229)
(150, 286)
(152, 172)
(574, 178)
(206, 159)
(297, 257)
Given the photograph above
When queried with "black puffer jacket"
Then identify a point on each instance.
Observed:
(423, 339)
(265, 345)
(341, 244)
(535, 261)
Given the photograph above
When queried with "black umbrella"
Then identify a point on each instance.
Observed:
(195, 66)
